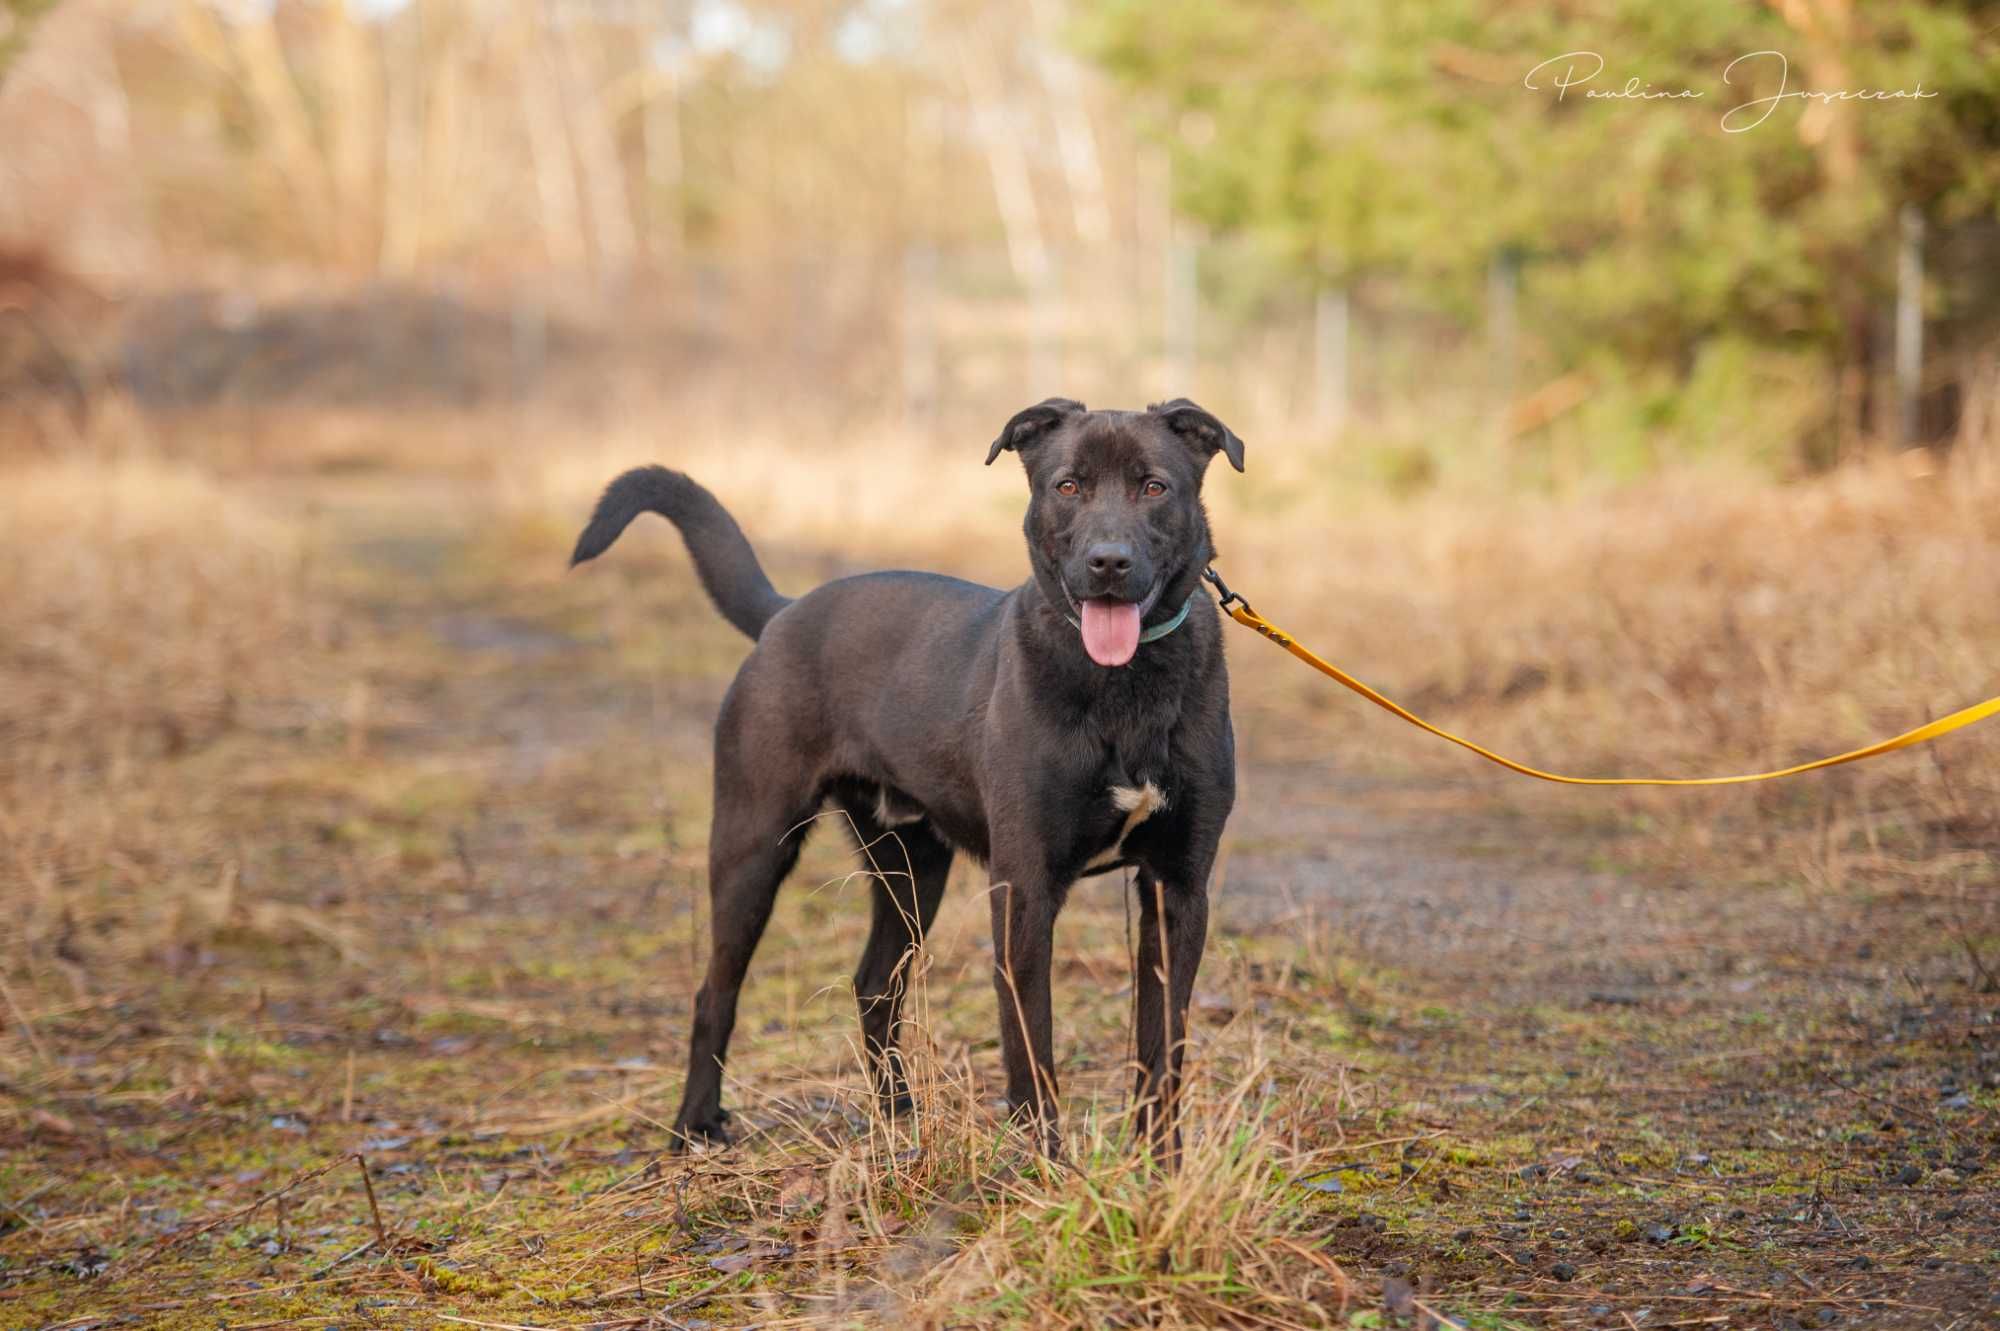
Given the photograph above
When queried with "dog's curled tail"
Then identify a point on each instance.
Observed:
(723, 558)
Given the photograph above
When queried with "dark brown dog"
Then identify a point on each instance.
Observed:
(1076, 724)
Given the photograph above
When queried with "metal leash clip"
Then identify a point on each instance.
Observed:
(1228, 597)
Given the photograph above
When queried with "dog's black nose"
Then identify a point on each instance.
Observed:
(1109, 559)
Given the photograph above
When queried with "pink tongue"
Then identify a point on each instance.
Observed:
(1110, 631)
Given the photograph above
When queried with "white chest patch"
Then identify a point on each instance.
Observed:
(1137, 804)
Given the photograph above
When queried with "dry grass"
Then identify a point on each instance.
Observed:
(1700, 626)
(290, 896)
(156, 615)
(149, 597)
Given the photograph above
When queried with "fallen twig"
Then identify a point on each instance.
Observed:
(381, 1234)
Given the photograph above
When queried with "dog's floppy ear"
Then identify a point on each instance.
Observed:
(1200, 429)
(1028, 426)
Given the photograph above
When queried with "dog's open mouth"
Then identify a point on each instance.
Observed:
(1110, 627)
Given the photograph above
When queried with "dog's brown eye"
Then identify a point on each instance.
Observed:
(1066, 487)
(1153, 489)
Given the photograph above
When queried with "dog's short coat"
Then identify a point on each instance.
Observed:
(947, 716)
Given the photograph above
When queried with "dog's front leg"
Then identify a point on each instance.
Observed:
(1023, 937)
(1173, 930)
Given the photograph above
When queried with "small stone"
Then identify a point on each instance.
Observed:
(1563, 1271)
(1909, 1174)
(1659, 1233)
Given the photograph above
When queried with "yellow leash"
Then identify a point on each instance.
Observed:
(1240, 611)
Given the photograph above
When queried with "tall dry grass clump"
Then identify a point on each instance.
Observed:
(950, 1217)
(1105, 1236)
(1110, 1240)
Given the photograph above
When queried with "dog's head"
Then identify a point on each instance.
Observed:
(1115, 523)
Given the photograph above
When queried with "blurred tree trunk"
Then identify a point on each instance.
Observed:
(1503, 299)
(548, 145)
(600, 170)
(1146, 269)
(923, 159)
(250, 47)
(1180, 313)
(660, 123)
(1909, 324)
(1331, 312)
(354, 136)
(1828, 128)
(1076, 143)
(1014, 191)
(446, 213)
(405, 120)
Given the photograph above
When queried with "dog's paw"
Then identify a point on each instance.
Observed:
(704, 1135)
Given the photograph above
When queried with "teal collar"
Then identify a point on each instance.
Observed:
(1158, 631)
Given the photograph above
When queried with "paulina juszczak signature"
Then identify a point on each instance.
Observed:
(1576, 69)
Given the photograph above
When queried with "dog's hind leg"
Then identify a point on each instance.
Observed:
(907, 867)
(753, 844)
